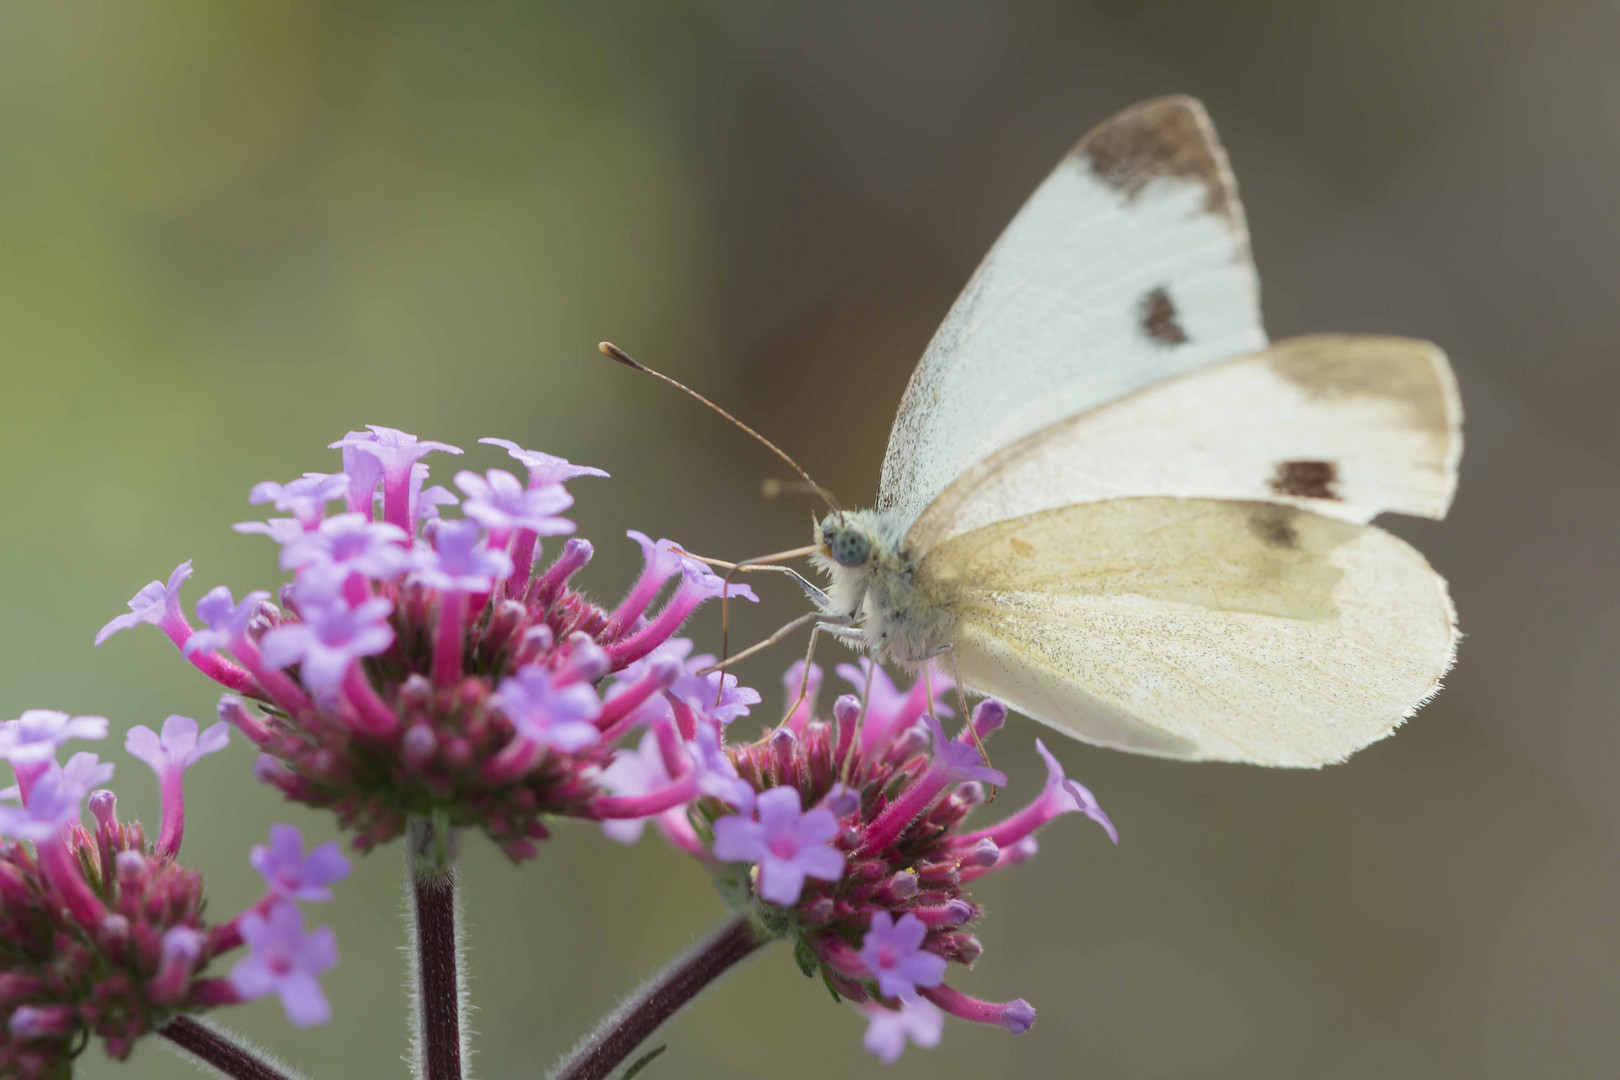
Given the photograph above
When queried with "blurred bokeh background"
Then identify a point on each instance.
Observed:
(231, 232)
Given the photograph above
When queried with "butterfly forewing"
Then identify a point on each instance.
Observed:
(1129, 263)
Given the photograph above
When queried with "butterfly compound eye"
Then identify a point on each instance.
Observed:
(849, 547)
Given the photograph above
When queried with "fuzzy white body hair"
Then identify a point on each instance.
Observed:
(898, 618)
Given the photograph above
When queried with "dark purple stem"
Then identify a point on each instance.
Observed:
(438, 1003)
(216, 1049)
(658, 1000)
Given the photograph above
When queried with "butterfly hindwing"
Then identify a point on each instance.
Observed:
(1198, 628)
(1349, 427)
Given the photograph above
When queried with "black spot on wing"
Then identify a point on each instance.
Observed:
(1306, 479)
(1156, 314)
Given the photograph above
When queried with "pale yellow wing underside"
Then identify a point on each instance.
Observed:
(1198, 628)
(1349, 427)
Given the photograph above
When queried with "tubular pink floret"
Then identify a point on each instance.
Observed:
(618, 711)
(62, 868)
(374, 716)
(660, 563)
(904, 810)
(234, 711)
(448, 637)
(1016, 1016)
(270, 683)
(681, 791)
(576, 553)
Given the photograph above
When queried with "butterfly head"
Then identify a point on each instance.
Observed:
(845, 542)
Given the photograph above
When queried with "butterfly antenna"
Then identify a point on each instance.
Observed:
(612, 351)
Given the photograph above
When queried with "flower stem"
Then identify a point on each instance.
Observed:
(436, 975)
(219, 1051)
(658, 1000)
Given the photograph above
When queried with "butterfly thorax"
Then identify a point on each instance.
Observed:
(873, 584)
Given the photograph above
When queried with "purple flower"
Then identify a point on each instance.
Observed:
(282, 530)
(226, 619)
(544, 469)
(460, 561)
(499, 501)
(892, 951)
(702, 583)
(305, 498)
(285, 961)
(888, 1029)
(1072, 795)
(394, 453)
(349, 544)
(330, 637)
(179, 747)
(788, 844)
(54, 799)
(157, 603)
(551, 715)
(717, 695)
(633, 773)
(394, 450)
(34, 736)
(1060, 796)
(292, 875)
(425, 504)
(716, 775)
(959, 760)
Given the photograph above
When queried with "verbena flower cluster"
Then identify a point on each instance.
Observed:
(416, 665)
(850, 837)
(420, 666)
(102, 930)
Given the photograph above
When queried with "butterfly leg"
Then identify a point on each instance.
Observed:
(838, 626)
(758, 563)
(961, 697)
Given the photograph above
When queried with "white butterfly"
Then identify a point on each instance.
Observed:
(1131, 518)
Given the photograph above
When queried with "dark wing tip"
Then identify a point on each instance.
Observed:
(1168, 136)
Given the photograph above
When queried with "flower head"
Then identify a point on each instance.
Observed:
(885, 912)
(289, 873)
(438, 668)
(286, 961)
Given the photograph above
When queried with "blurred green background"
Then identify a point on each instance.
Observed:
(231, 232)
